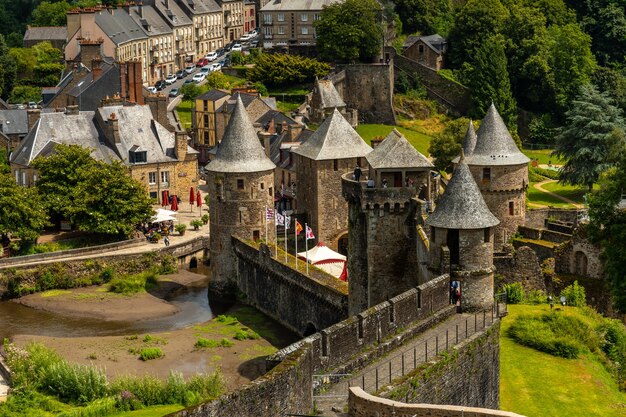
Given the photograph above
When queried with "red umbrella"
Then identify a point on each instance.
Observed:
(199, 199)
(166, 198)
(344, 273)
(175, 203)
(192, 197)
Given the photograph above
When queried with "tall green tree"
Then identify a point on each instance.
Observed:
(8, 70)
(21, 214)
(350, 31)
(591, 137)
(487, 76)
(50, 13)
(425, 16)
(447, 145)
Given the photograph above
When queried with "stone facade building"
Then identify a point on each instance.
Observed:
(334, 149)
(461, 239)
(427, 50)
(324, 99)
(501, 172)
(56, 35)
(154, 156)
(233, 19)
(240, 181)
(383, 218)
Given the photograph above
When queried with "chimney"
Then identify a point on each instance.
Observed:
(114, 128)
(90, 51)
(283, 127)
(158, 107)
(295, 130)
(271, 128)
(96, 68)
(33, 116)
(265, 138)
(181, 145)
(71, 110)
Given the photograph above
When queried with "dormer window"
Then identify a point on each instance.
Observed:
(137, 156)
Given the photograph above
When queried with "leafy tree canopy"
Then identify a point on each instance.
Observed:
(591, 137)
(7, 70)
(50, 13)
(425, 16)
(350, 31)
(21, 214)
(281, 69)
(447, 145)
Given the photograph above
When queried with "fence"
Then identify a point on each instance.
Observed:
(447, 335)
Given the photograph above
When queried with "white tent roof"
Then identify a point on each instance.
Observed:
(332, 268)
(166, 212)
(321, 254)
(160, 217)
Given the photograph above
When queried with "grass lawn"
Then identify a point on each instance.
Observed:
(535, 196)
(573, 192)
(154, 411)
(543, 156)
(296, 89)
(287, 107)
(536, 384)
(419, 140)
(184, 113)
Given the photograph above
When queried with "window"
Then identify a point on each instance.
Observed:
(305, 30)
(335, 165)
(420, 49)
(262, 186)
(280, 17)
(269, 191)
(358, 161)
(138, 157)
(316, 16)
(511, 208)
(165, 178)
(304, 17)
(256, 235)
(487, 174)
(153, 195)
(267, 19)
(487, 234)
(151, 178)
(240, 184)
(281, 30)
(267, 30)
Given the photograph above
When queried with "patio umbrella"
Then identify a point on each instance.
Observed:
(199, 199)
(163, 199)
(174, 203)
(166, 198)
(192, 198)
(166, 212)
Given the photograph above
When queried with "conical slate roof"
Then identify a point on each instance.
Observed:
(494, 144)
(462, 206)
(335, 139)
(469, 142)
(329, 96)
(240, 150)
(396, 152)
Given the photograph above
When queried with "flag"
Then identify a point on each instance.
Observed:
(298, 228)
(287, 222)
(280, 219)
(269, 214)
(309, 233)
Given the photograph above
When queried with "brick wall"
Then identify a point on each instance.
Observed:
(469, 375)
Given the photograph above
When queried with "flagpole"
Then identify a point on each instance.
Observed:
(295, 234)
(285, 225)
(306, 246)
(267, 238)
(276, 233)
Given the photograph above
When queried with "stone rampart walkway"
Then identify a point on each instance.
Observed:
(331, 400)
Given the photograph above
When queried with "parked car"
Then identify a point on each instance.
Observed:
(216, 66)
(173, 92)
(205, 70)
(211, 56)
(188, 81)
(202, 62)
(189, 69)
(254, 43)
(171, 79)
(236, 47)
(181, 74)
(246, 37)
(160, 85)
(199, 77)
(152, 89)
(220, 52)
(228, 47)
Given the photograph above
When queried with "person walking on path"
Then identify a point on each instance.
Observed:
(166, 240)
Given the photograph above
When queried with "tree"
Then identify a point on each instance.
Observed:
(21, 214)
(425, 16)
(93, 195)
(50, 13)
(281, 69)
(593, 131)
(191, 91)
(487, 76)
(447, 145)
(350, 31)
(24, 94)
(7, 70)
(217, 79)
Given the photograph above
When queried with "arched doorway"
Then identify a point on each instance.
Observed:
(342, 245)
(580, 263)
(193, 263)
(310, 329)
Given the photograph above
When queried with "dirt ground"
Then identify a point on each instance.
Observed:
(119, 355)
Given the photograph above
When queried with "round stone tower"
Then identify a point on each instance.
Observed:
(382, 218)
(461, 239)
(501, 172)
(240, 181)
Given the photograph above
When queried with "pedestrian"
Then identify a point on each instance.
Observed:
(370, 183)
(384, 183)
(166, 240)
(357, 173)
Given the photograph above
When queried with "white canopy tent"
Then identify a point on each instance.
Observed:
(325, 259)
(161, 217)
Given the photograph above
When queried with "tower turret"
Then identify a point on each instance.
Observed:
(382, 217)
(240, 181)
(461, 239)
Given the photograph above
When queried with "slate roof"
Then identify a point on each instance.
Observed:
(119, 26)
(146, 15)
(462, 205)
(334, 139)
(201, 6)
(494, 144)
(137, 129)
(14, 121)
(469, 142)
(278, 117)
(329, 96)
(397, 153)
(240, 149)
(229, 105)
(277, 5)
(172, 13)
(435, 42)
(213, 95)
(45, 33)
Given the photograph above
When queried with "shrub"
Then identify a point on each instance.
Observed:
(282, 69)
(246, 334)
(180, 228)
(217, 79)
(97, 408)
(107, 274)
(535, 297)
(574, 295)
(205, 219)
(514, 292)
(132, 284)
(196, 224)
(230, 320)
(168, 265)
(150, 353)
(209, 343)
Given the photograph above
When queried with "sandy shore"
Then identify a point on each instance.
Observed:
(119, 355)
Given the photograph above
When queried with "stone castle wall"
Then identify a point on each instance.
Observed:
(467, 376)
(537, 217)
(522, 266)
(579, 257)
